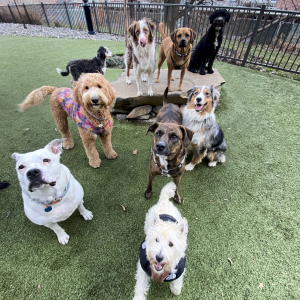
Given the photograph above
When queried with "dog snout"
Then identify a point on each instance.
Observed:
(198, 99)
(33, 173)
(95, 100)
(143, 42)
(159, 257)
(182, 43)
(160, 146)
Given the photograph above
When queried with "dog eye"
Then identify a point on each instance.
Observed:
(46, 160)
(146, 31)
(187, 35)
(179, 35)
(159, 133)
(99, 86)
(171, 244)
(21, 167)
(86, 87)
(157, 240)
(174, 136)
(137, 33)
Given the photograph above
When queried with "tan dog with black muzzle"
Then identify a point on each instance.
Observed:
(170, 141)
(177, 49)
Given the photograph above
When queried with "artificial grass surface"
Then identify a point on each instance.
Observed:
(246, 210)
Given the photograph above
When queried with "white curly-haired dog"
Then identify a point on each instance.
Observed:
(162, 254)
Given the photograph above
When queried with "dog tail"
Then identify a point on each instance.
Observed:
(167, 192)
(161, 30)
(165, 96)
(36, 97)
(63, 73)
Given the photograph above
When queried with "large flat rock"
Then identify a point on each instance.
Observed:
(127, 94)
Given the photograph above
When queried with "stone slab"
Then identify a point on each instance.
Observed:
(127, 94)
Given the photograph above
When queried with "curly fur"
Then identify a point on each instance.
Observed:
(97, 96)
(94, 65)
(206, 50)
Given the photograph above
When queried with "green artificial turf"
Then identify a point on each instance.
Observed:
(246, 210)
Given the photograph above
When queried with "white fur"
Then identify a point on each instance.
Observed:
(51, 171)
(159, 234)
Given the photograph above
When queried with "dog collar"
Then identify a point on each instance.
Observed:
(75, 111)
(165, 172)
(145, 264)
(176, 66)
(48, 204)
(181, 55)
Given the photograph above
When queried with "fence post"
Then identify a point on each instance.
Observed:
(25, 9)
(68, 14)
(11, 13)
(108, 21)
(88, 17)
(185, 13)
(45, 13)
(261, 13)
(96, 16)
(139, 9)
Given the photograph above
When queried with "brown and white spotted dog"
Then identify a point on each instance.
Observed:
(199, 116)
(141, 51)
(169, 145)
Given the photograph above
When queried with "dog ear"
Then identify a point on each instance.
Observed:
(76, 90)
(193, 36)
(112, 94)
(187, 135)
(55, 146)
(16, 156)
(189, 93)
(183, 226)
(215, 93)
(156, 219)
(211, 18)
(131, 30)
(227, 17)
(152, 128)
(151, 26)
(173, 36)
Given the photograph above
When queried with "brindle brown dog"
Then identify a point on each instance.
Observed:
(169, 146)
(177, 49)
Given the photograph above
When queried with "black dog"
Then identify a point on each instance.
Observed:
(209, 45)
(94, 65)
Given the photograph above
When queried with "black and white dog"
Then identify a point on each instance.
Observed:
(94, 65)
(209, 45)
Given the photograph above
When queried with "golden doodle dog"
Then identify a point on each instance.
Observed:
(177, 50)
(199, 116)
(89, 105)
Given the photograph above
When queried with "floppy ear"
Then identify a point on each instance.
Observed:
(152, 27)
(193, 36)
(152, 128)
(131, 30)
(112, 94)
(215, 93)
(227, 17)
(189, 93)
(187, 135)
(55, 146)
(76, 91)
(173, 36)
(211, 17)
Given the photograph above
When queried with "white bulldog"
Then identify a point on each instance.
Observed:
(50, 192)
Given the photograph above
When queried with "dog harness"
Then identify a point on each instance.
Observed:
(165, 172)
(48, 204)
(145, 264)
(181, 55)
(75, 111)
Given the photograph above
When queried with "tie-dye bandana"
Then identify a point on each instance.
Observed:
(74, 110)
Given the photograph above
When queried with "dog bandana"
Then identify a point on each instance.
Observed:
(75, 111)
(145, 264)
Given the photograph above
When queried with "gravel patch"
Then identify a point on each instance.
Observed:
(13, 29)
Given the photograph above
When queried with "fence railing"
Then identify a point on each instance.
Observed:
(256, 36)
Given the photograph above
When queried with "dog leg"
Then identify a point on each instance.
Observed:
(197, 158)
(63, 238)
(88, 140)
(60, 117)
(181, 79)
(148, 191)
(150, 79)
(87, 215)
(176, 285)
(142, 284)
(209, 66)
(107, 146)
(215, 157)
(161, 59)
(144, 78)
(177, 197)
(128, 64)
(139, 82)
(169, 79)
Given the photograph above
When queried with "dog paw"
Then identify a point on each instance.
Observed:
(157, 81)
(177, 199)
(193, 70)
(202, 73)
(140, 94)
(172, 79)
(63, 238)
(95, 163)
(179, 88)
(212, 164)
(189, 167)
(222, 159)
(210, 71)
(128, 81)
(150, 93)
(87, 215)
(68, 145)
(144, 78)
(148, 195)
(112, 155)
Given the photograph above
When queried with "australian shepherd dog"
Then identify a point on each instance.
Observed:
(199, 116)
(141, 51)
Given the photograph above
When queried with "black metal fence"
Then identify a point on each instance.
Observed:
(256, 36)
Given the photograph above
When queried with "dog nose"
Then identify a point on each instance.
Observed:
(95, 100)
(159, 258)
(33, 173)
(199, 99)
(160, 146)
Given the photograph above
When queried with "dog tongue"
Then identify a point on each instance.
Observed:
(198, 107)
(158, 267)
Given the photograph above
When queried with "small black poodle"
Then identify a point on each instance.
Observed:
(94, 65)
(209, 45)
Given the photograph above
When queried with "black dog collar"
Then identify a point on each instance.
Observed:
(145, 264)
